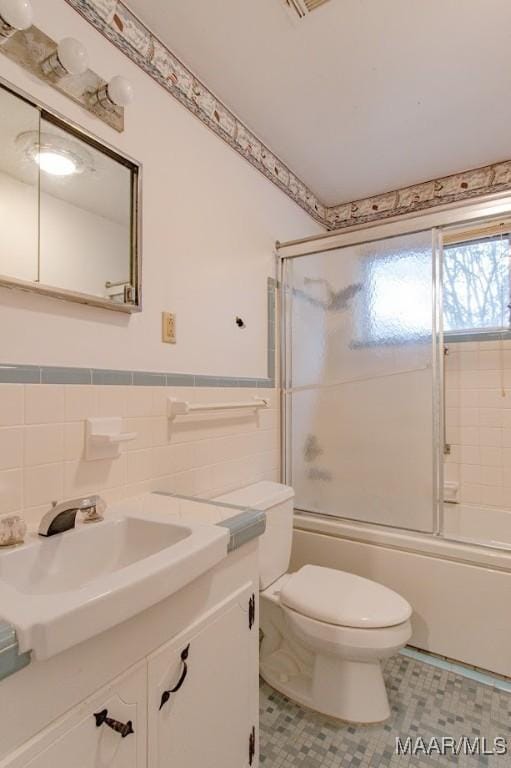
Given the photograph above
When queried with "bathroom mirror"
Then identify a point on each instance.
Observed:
(69, 209)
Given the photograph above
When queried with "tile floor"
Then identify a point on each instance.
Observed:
(425, 701)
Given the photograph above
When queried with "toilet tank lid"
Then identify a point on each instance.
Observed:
(263, 495)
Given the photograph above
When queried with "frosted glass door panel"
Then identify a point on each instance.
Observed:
(360, 382)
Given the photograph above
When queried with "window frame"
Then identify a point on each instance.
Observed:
(490, 333)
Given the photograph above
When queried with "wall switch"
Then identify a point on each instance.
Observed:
(168, 327)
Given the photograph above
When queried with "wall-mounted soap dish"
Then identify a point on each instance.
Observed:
(103, 437)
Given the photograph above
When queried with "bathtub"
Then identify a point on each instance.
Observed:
(460, 591)
(488, 526)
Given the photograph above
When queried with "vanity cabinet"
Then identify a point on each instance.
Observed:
(77, 740)
(202, 703)
(192, 703)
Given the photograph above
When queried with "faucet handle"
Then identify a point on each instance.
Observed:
(94, 511)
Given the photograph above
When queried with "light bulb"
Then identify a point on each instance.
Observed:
(14, 15)
(120, 91)
(117, 93)
(70, 58)
(72, 55)
(55, 163)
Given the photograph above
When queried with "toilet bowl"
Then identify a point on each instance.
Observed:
(341, 676)
(324, 632)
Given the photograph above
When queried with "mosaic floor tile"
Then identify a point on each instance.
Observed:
(425, 701)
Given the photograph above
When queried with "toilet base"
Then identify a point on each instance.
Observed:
(349, 691)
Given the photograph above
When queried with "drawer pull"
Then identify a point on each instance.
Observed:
(123, 728)
(166, 694)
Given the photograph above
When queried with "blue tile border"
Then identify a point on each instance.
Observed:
(10, 660)
(22, 374)
(111, 377)
(55, 375)
(244, 525)
(44, 374)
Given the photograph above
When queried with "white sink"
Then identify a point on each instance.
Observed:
(62, 590)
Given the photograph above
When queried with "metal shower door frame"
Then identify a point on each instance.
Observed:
(435, 221)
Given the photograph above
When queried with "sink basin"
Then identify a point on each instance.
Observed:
(65, 563)
(62, 590)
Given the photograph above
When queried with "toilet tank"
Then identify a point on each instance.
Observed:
(276, 500)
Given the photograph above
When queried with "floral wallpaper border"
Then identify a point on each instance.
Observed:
(114, 19)
(449, 189)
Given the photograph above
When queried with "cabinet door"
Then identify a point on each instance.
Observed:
(77, 741)
(210, 718)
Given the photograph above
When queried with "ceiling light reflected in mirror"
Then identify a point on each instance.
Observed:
(55, 163)
(55, 154)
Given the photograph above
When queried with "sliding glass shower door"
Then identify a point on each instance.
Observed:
(361, 381)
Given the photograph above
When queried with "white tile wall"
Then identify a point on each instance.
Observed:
(478, 421)
(42, 444)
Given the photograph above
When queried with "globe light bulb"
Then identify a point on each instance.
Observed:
(15, 15)
(72, 55)
(120, 91)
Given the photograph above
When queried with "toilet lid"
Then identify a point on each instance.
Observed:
(343, 599)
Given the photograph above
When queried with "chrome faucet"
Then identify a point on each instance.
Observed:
(62, 517)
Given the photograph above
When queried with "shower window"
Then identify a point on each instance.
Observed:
(394, 308)
(476, 287)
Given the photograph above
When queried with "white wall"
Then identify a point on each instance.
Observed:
(18, 247)
(79, 250)
(209, 226)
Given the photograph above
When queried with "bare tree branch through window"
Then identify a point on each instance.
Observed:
(476, 285)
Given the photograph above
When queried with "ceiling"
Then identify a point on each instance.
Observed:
(362, 96)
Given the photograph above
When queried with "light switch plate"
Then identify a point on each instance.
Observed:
(168, 327)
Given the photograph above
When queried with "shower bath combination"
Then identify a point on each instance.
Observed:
(389, 442)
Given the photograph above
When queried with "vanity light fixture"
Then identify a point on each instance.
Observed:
(70, 58)
(15, 15)
(117, 93)
(63, 65)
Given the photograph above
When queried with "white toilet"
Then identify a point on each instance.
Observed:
(325, 632)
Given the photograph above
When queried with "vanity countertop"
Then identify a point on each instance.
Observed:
(242, 526)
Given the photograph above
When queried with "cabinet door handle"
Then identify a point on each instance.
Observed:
(182, 677)
(123, 728)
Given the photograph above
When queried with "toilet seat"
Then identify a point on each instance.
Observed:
(350, 642)
(343, 599)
